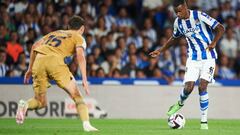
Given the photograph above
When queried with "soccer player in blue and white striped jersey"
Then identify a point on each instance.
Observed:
(197, 27)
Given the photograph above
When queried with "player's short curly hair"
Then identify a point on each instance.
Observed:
(176, 3)
(76, 22)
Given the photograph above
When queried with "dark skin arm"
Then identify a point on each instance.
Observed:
(171, 41)
(219, 30)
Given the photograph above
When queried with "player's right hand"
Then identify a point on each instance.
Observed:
(154, 53)
(27, 76)
(85, 87)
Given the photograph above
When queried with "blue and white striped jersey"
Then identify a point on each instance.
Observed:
(198, 32)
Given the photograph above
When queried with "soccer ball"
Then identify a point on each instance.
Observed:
(176, 121)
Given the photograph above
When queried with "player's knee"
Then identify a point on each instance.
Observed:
(202, 88)
(78, 100)
(188, 87)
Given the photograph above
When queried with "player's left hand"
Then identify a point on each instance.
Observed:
(85, 87)
(211, 46)
(154, 53)
(27, 76)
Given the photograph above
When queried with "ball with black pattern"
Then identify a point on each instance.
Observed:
(176, 121)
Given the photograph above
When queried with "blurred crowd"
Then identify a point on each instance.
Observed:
(119, 34)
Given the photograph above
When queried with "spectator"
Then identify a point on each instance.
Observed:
(180, 73)
(110, 63)
(14, 48)
(140, 74)
(91, 43)
(64, 23)
(238, 18)
(18, 7)
(21, 65)
(109, 19)
(149, 31)
(116, 73)
(146, 45)
(111, 41)
(100, 73)
(229, 44)
(149, 70)
(86, 11)
(97, 54)
(166, 63)
(32, 10)
(119, 29)
(7, 22)
(179, 51)
(123, 20)
(3, 67)
(207, 5)
(143, 60)
(227, 10)
(120, 57)
(130, 69)
(30, 35)
(110, 7)
(152, 4)
(130, 37)
(157, 73)
(91, 64)
(27, 50)
(224, 71)
(4, 33)
(28, 23)
(215, 13)
(100, 29)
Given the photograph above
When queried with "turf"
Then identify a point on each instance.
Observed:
(115, 127)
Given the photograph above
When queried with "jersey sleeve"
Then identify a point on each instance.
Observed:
(208, 20)
(80, 42)
(176, 32)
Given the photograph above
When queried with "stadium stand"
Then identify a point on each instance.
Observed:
(119, 35)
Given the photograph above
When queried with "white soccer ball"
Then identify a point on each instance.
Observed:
(176, 121)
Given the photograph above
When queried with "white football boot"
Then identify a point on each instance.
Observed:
(21, 111)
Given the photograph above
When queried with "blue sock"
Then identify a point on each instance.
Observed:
(204, 105)
(183, 96)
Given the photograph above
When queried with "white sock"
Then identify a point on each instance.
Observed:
(86, 123)
(204, 105)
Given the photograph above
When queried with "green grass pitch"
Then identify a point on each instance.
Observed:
(115, 127)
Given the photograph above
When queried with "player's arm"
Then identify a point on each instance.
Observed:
(215, 25)
(171, 41)
(28, 73)
(80, 47)
(219, 30)
(82, 65)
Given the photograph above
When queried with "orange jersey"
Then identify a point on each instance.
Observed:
(61, 43)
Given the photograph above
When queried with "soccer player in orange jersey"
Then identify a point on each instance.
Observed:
(47, 63)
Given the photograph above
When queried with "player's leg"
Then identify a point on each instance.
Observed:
(82, 109)
(188, 88)
(191, 75)
(206, 76)
(40, 83)
(203, 102)
(66, 81)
